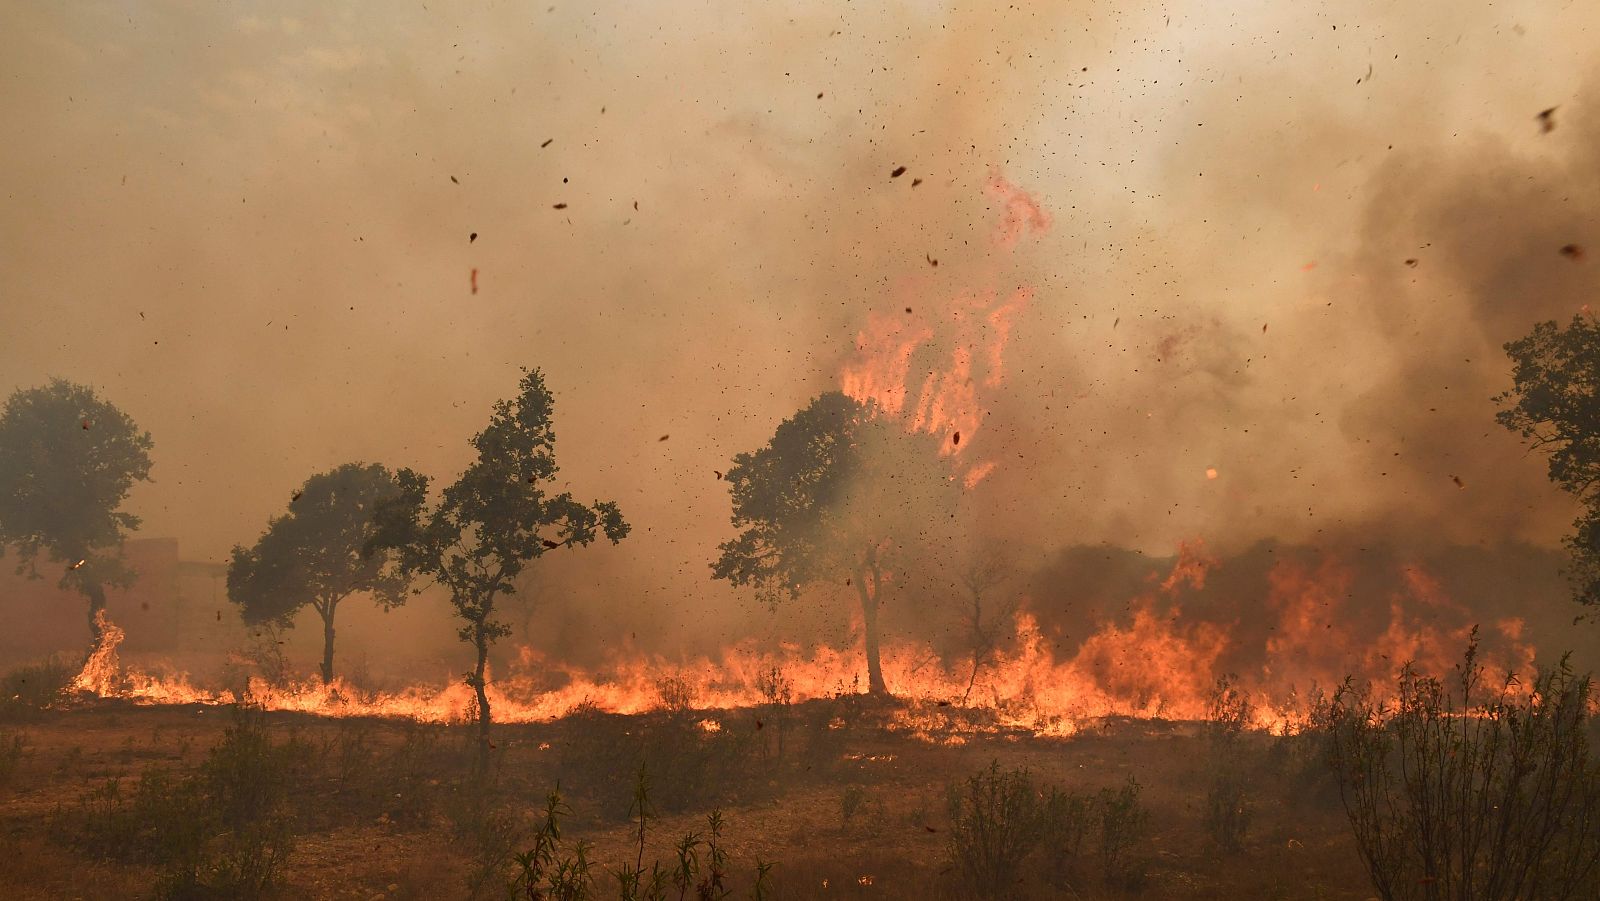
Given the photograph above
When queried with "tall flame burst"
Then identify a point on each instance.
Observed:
(954, 352)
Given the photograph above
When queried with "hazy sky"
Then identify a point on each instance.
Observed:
(247, 225)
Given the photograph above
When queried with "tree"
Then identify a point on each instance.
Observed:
(1554, 405)
(981, 575)
(489, 525)
(67, 462)
(316, 554)
(838, 496)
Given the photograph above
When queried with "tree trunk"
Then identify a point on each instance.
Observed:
(480, 682)
(869, 618)
(97, 605)
(327, 643)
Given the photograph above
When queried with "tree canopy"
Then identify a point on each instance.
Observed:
(67, 462)
(1554, 404)
(495, 520)
(316, 554)
(836, 497)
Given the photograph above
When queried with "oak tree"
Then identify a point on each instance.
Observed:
(315, 554)
(495, 520)
(67, 461)
(836, 500)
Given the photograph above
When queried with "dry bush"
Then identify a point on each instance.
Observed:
(26, 691)
(692, 766)
(1007, 833)
(222, 832)
(555, 869)
(1228, 810)
(1462, 790)
(997, 819)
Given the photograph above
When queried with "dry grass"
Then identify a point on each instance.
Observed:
(354, 839)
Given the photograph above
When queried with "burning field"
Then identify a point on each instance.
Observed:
(933, 450)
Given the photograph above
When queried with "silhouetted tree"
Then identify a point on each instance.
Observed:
(1555, 404)
(316, 554)
(981, 575)
(837, 497)
(67, 461)
(491, 523)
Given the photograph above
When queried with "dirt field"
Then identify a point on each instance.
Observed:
(378, 808)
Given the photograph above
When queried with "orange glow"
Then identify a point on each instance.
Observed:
(953, 352)
(1155, 660)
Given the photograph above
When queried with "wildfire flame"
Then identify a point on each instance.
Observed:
(100, 671)
(969, 330)
(1154, 662)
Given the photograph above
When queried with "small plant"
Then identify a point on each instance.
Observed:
(11, 751)
(677, 693)
(554, 870)
(996, 821)
(264, 652)
(544, 872)
(1455, 790)
(1123, 826)
(222, 832)
(1067, 818)
(487, 831)
(778, 691)
(27, 690)
(1227, 809)
(850, 804)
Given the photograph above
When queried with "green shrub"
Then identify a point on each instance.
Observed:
(1458, 790)
(27, 690)
(1124, 825)
(11, 751)
(1227, 808)
(1067, 819)
(997, 819)
(224, 832)
(554, 869)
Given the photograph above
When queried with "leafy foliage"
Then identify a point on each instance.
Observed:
(67, 462)
(833, 497)
(492, 522)
(316, 554)
(1228, 809)
(1460, 790)
(1553, 405)
(224, 832)
(1004, 826)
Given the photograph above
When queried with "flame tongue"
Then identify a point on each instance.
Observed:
(954, 351)
(100, 671)
(1154, 662)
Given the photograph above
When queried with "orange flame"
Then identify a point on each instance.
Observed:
(970, 331)
(1157, 661)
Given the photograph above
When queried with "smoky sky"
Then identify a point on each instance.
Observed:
(248, 227)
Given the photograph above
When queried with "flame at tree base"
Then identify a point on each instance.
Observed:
(1153, 664)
